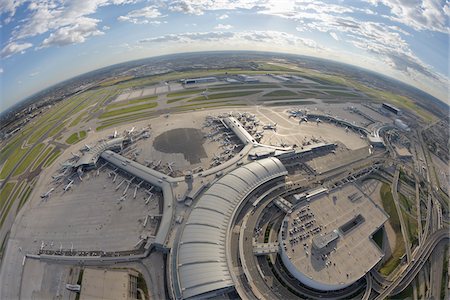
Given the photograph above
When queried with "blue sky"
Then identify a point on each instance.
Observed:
(44, 42)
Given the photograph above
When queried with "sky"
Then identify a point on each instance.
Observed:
(47, 41)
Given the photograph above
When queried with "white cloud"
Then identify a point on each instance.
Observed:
(430, 15)
(1, 70)
(142, 16)
(223, 17)
(223, 27)
(66, 21)
(251, 38)
(34, 74)
(198, 7)
(9, 7)
(13, 48)
(334, 35)
(86, 27)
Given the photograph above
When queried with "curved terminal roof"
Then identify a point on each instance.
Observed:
(202, 265)
(91, 157)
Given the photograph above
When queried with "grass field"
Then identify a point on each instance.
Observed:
(175, 100)
(52, 158)
(130, 102)
(399, 250)
(126, 110)
(341, 94)
(12, 161)
(183, 93)
(42, 157)
(29, 159)
(243, 86)
(224, 95)
(280, 93)
(6, 191)
(13, 198)
(76, 137)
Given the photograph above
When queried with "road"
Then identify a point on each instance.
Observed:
(411, 271)
(394, 191)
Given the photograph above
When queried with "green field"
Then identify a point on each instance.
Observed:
(52, 158)
(183, 93)
(12, 161)
(42, 157)
(399, 251)
(130, 102)
(76, 137)
(29, 159)
(6, 191)
(280, 93)
(175, 100)
(126, 110)
(243, 86)
(341, 94)
(224, 95)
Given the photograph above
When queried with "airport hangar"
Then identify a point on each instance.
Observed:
(200, 265)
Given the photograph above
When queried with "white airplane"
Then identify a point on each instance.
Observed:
(47, 194)
(346, 129)
(303, 119)
(295, 113)
(122, 198)
(318, 121)
(85, 148)
(68, 186)
(158, 163)
(170, 166)
(75, 155)
(270, 126)
(114, 135)
(131, 130)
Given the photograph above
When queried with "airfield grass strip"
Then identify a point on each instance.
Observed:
(76, 120)
(280, 93)
(184, 93)
(24, 197)
(128, 110)
(40, 131)
(29, 159)
(224, 95)
(42, 157)
(76, 137)
(175, 100)
(399, 250)
(244, 86)
(52, 158)
(4, 194)
(13, 198)
(57, 129)
(130, 102)
(342, 94)
(12, 161)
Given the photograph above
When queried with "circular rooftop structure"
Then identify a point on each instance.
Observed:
(326, 238)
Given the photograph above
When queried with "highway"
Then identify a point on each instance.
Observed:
(394, 191)
(411, 271)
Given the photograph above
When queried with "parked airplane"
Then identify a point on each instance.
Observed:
(47, 194)
(85, 148)
(114, 135)
(68, 186)
(131, 130)
(270, 126)
(318, 121)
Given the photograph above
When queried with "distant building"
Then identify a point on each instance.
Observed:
(391, 108)
(199, 80)
(400, 124)
(376, 141)
(246, 78)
